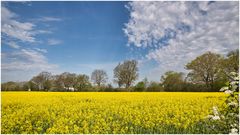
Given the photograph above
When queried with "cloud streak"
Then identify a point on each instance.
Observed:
(49, 19)
(23, 31)
(22, 64)
(26, 59)
(13, 45)
(54, 41)
(15, 29)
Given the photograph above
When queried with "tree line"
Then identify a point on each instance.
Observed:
(207, 72)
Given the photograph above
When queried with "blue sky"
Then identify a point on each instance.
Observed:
(79, 37)
(90, 32)
(87, 35)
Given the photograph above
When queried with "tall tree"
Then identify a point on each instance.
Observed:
(42, 80)
(118, 75)
(172, 81)
(68, 80)
(82, 82)
(231, 62)
(58, 83)
(99, 77)
(205, 68)
(126, 73)
(32, 86)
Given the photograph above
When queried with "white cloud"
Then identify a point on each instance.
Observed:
(54, 41)
(13, 28)
(23, 31)
(41, 50)
(26, 59)
(49, 19)
(22, 63)
(13, 45)
(42, 32)
(194, 28)
(25, 62)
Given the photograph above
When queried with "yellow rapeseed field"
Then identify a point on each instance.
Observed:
(102, 112)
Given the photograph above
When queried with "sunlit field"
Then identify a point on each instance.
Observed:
(59, 112)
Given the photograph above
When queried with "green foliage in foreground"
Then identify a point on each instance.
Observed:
(226, 119)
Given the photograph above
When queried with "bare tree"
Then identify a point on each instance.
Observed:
(99, 77)
(126, 73)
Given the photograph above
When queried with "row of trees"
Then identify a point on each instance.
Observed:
(124, 75)
(208, 72)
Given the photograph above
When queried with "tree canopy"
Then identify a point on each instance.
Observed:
(205, 68)
(99, 77)
(126, 73)
(172, 81)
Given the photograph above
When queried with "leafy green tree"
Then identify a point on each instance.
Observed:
(14, 86)
(205, 68)
(109, 88)
(146, 82)
(172, 81)
(154, 87)
(9, 86)
(194, 87)
(126, 73)
(140, 86)
(82, 82)
(231, 63)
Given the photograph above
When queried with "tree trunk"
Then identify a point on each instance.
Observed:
(127, 86)
(212, 83)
